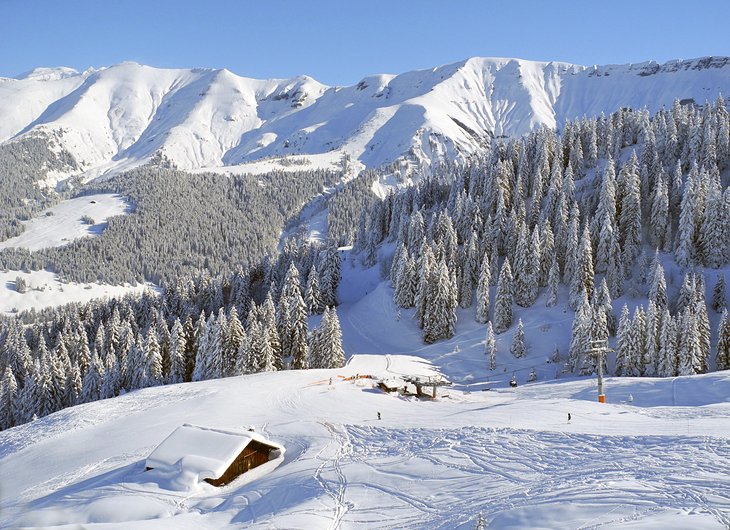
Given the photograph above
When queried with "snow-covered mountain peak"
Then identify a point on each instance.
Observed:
(48, 74)
(125, 114)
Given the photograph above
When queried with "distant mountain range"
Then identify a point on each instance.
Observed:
(121, 116)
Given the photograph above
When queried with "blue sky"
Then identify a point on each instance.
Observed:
(339, 42)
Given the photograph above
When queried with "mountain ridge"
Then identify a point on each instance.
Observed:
(124, 115)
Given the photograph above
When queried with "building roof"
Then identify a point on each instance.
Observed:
(202, 451)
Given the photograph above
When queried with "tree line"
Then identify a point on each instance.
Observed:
(597, 209)
(198, 328)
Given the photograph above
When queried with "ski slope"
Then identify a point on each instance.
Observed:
(508, 454)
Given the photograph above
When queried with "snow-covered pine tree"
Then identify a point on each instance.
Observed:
(582, 279)
(580, 334)
(73, 385)
(630, 218)
(466, 290)
(190, 341)
(490, 347)
(482, 311)
(313, 344)
(312, 294)
(100, 343)
(440, 317)
(719, 301)
(215, 345)
(547, 254)
(243, 354)
(91, 389)
(603, 300)
(553, 284)
(269, 324)
(407, 283)
(330, 274)
(163, 339)
(518, 348)
(686, 293)
(502, 318)
(257, 346)
(8, 399)
(177, 352)
(667, 362)
(203, 361)
(637, 338)
(660, 226)
(283, 327)
(690, 351)
(702, 322)
(396, 264)
(153, 359)
(532, 269)
(426, 267)
(603, 226)
(136, 365)
(266, 356)
(623, 348)
(598, 333)
(650, 357)
(713, 242)
(722, 357)
(56, 367)
(83, 353)
(28, 399)
(330, 341)
(232, 341)
(658, 285)
(416, 232)
(686, 246)
(298, 335)
(472, 262)
(522, 275)
(111, 383)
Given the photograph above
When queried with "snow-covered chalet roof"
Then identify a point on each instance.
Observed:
(202, 451)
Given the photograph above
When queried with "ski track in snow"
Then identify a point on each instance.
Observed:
(340, 447)
(498, 470)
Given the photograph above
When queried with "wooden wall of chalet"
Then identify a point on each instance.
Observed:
(252, 456)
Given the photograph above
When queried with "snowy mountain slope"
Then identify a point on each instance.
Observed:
(121, 116)
(656, 455)
(508, 454)
(129, 112)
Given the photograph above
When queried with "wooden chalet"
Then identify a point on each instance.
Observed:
(213, 455)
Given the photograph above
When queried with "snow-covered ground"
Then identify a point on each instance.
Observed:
(657, 455)
(44, 289)
(61, 224)
(508, 454)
